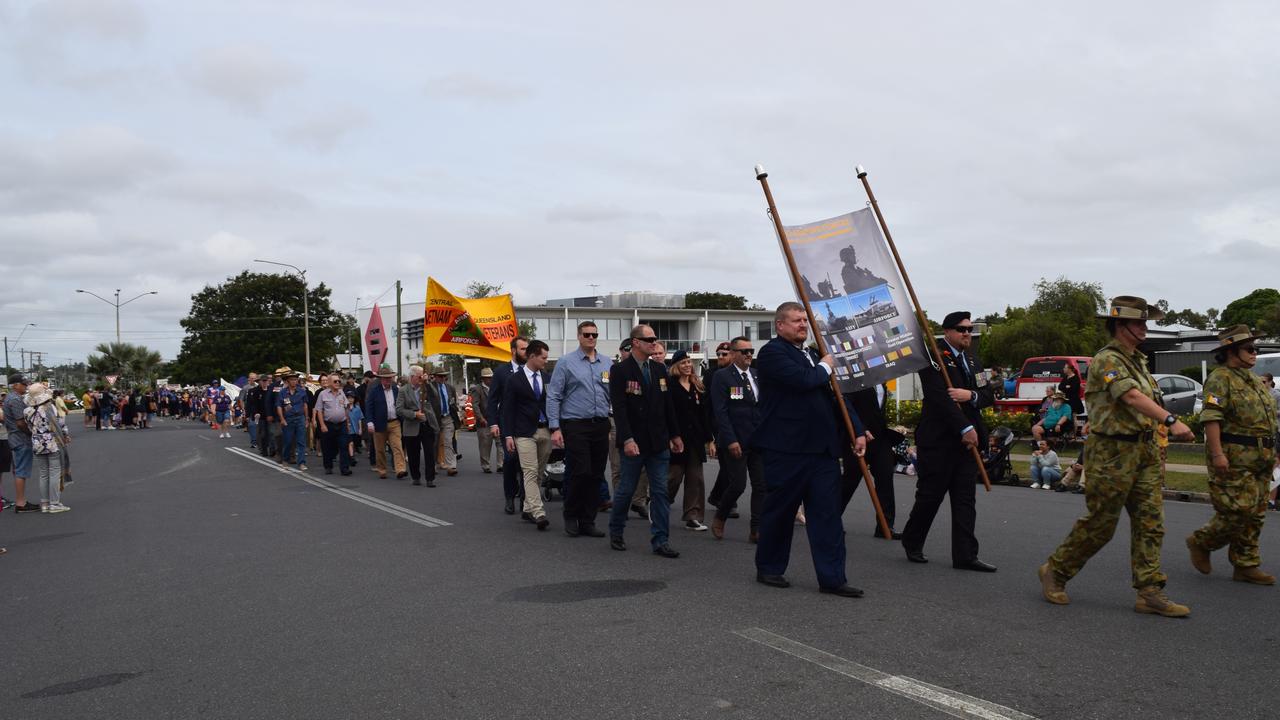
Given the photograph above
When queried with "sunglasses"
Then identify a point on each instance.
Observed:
(591, 335)
(1251, 349)
(965, 329)
(723, 353)
(647, 340)
(748, 351)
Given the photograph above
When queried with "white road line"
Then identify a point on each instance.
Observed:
(373, 502)
(951, 702)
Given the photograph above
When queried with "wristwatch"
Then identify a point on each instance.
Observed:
(1170, 420)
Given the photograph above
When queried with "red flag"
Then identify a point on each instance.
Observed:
(375, 340)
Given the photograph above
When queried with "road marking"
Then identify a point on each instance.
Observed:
(373, 502)
(951, 702)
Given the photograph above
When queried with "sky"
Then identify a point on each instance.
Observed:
(163, 146)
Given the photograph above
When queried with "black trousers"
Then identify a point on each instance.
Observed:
(419, 447)
(512, 477)
(944, 472)
(333, 443)
(717, 490)
(736, 472)
(265, 436)
(586, 450)
(880, 461)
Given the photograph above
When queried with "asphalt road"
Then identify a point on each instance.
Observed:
(189, 581)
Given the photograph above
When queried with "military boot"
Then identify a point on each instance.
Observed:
(1253, 575)
(1053, 589)
(1199, 556)
(1153, 601)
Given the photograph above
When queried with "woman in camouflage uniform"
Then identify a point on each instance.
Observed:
(1123, 464)
(1240, 449)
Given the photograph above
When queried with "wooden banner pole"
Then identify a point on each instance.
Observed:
(924, 322)
(763, 177)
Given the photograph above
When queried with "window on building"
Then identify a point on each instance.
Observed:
(764, 330)
(613, 329)
(541, 328)
(735, 328)
(557, 329)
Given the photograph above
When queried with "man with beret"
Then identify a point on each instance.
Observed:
(950, 427)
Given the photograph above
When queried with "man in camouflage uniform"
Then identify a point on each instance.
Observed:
(1123, 464)
(1240, 428)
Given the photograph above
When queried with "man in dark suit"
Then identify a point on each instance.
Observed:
(735, 408)
(800, 440)
(524, 427)
(868, 403)
(383, 423)
(723, 360)
(950, 425)
(510, 465)
(646, 434)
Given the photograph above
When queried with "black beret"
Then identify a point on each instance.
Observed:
(953, 319)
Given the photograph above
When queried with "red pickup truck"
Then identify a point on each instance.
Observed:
(1039, 373)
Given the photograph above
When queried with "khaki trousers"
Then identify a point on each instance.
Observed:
(533, 453)
(485, 440)
(448, 458)
(390, 437)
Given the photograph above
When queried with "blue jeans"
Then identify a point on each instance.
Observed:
(253, 431)
(1045, 476)
(21, 460)
(295, 434)
(659, 506)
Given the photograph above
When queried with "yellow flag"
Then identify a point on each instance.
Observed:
(482, 328)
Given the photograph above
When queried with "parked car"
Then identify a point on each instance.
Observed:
(1182, 395)
(1039, 374)
(1268, 363)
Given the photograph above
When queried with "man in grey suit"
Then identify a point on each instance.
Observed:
(419, 424)
(479, 406)
(447, 405)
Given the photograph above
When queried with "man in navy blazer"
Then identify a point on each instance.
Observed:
(800, 440)
(735, 408)
(510, 465)
(524, 427)
(380, 403)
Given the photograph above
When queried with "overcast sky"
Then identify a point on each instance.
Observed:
(164, 145)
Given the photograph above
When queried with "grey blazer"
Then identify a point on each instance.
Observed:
(407, 406)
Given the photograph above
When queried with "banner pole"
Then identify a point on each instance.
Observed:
(924, 322)
(763, 177)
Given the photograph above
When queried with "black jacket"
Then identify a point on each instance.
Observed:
(520, 408)
(867, 405)
(797, 409)
(693, 419)
(942, 420)
(255, 402)
(735, 407)
(496, 389)
(640, 413)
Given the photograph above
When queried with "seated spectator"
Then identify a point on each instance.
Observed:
(1046, 403)
(1074, 479)
(1058, 420)
(1045, 471)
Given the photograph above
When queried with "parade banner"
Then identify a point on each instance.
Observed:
(375, 339)
(482, 327)
(863, 313)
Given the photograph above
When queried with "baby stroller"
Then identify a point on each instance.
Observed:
(553, 478)
(996, 459)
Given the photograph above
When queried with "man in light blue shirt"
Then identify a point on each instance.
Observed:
(578, 415)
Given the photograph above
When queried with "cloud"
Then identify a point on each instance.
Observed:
(476, 89)
(70, 169)
(233, 190)
(592, 213)
(243, 76)
(324, 130)
(107, 19)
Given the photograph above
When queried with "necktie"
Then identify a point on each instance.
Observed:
(644, 370)
(537, 393)
(746, 383)
(444, 400)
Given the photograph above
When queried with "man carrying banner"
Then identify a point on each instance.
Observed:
(799, 439)
(950, 426)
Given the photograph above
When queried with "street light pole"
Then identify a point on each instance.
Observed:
(306, 311)
(15, 342)
(117, 304)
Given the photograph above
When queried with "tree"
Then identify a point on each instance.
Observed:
(1259, 309)
(714, 301)
(1188, 317)
(254, 322)
(1061, 321)
(481, 289)
(134, 364)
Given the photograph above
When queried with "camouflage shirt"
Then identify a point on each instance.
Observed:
(1114, 372)
(1237, 398)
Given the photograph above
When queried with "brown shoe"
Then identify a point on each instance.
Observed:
(1253, 575)
(452, 473)
(754, 537)
(717, 528)
(1199, 556)
(1152, 601)
(1053, 589)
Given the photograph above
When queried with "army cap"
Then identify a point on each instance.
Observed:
(1235, 335)
(1131, 307)
(952, 320)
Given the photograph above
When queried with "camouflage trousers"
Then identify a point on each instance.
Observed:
(1122, 476)
(1239, 497)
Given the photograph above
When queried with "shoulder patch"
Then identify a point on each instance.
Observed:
(1211, 399)
(1110, 375)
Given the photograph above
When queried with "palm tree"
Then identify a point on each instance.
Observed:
(134, 363)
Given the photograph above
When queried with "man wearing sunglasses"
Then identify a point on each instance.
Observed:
(646, 434)
(1239, 439)
(735, 410)
(950, 426)
(723, 359)
(578, 413)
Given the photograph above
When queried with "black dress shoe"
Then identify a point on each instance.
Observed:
(590, 531)
(843, 591)
(894, 534)
(328, 471)
(733, 515)
(617, 543)
(401, 475)
(666, 551)
(916, 556)
(510, 507)
(772, 580)
(431, 483)
(975, 565)
(345, 472)
(543, 523)
(526, 517)
(417, 482)
(571, 529)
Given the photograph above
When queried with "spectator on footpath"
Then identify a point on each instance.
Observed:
(578, 414)
(1058, 420)
(222, 412)
(1074, 480)
(1070, 388)
(15, 423)
(479, 405)
(87, 401)
(1045, 470)
(382, 423)
(48, 437)
(331, 420)
(693, 415)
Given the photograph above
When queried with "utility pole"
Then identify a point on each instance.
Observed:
(118, 304)
(399, 355)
